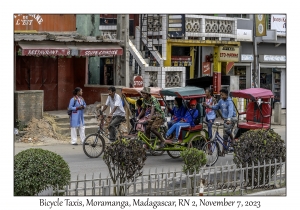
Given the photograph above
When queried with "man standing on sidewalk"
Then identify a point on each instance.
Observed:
(117, 112)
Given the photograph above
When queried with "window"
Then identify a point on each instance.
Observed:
(238, 15)
(101, 71)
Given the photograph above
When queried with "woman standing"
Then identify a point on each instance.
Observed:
(77, 105)
(210, 114)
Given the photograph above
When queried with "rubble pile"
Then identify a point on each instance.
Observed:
(36, 130)
(91, 109)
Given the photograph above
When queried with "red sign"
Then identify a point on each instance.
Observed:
(46, 52)
(217, 82)
(229, 67)
(138, 82)
(205, 68)
(181, 58)
(101, 52)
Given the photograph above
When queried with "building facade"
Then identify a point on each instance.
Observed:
(56, 53)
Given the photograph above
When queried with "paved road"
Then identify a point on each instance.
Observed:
(80, 164)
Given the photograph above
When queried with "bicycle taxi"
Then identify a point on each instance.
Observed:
(258, 109)
(189, 137)
(257, 114)
(130, 95)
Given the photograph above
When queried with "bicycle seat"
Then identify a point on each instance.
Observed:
(217, 123)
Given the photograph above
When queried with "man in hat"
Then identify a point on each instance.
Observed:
(156, 117)
(117, 112)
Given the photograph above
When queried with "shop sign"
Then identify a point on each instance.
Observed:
(27, 20)
(46, 52)
(229, 54)
(206, 70)
(176, 25)
(274, 58)
(217, 82)
(246, 57)
(244, 35)
(278, 23)
(138, 82)
(100, 52)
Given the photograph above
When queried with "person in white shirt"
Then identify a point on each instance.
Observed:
(117, 112)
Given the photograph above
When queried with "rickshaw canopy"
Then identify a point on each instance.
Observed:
(253, 93)
(136, 92)
(187, 92)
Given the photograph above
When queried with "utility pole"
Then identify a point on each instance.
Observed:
(122, 73)
(255, 63)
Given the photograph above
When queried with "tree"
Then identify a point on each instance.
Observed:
(125, 160)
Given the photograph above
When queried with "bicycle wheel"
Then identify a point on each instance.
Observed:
(211, 150)
(156, 152)
(198, 141)
(174, 154)
(95, 146)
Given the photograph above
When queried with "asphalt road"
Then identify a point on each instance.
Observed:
(80, 164)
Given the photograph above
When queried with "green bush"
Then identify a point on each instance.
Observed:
(20, 125)
(125, 160)
(258, 146)
(36, 169)
(193, 160)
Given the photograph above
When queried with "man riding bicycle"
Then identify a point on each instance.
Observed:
(117, 112)
(156, 117)
(226, 106)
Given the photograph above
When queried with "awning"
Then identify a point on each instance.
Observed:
(99, 50)
(44, 49)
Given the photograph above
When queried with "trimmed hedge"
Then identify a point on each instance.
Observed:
(36, 169)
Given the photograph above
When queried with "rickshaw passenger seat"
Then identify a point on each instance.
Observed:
(266, 111)
(254, 118)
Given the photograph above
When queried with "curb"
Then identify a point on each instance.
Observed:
(280, 191)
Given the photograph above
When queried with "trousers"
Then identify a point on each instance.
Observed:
(115, 121)
(177, 127)
(74, 134)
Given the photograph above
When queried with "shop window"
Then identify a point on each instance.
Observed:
(101, 71)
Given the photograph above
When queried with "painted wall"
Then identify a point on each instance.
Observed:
(88, 25)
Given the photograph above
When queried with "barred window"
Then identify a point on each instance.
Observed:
(238, 15)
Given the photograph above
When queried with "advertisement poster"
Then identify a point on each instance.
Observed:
(278, 23)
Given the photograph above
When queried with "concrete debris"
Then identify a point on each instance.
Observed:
(37, 129)
(91, 109)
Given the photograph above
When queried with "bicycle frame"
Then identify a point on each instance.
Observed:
(219, 139)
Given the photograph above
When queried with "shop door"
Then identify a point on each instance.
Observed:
(38, 73)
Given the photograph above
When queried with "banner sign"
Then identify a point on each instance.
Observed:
(260, 25)
(278, 23)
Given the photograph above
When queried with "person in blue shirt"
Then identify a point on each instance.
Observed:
(226, 106)
(177, 112)
(210, 114)
(186, 121)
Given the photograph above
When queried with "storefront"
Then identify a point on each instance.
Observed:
(272, 76)
(58, 67)
(243, 70)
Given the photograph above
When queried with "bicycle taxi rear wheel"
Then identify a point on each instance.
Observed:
(156, 152)
(198, 142)
(211, 150)
(174, 154)
(95, 146)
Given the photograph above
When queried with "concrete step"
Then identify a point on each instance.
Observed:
(88, 130)
(67, 125)
(65, 119)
